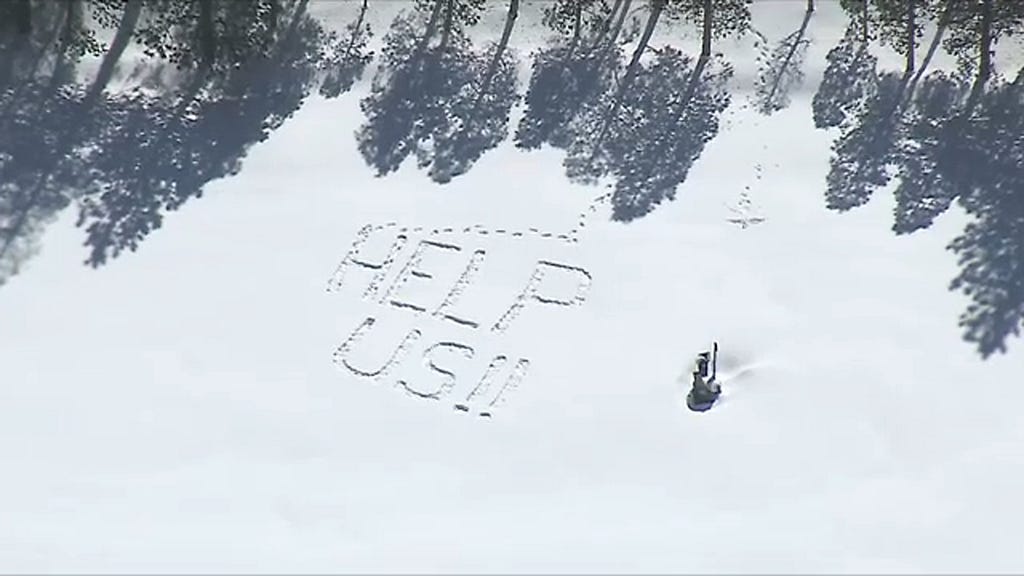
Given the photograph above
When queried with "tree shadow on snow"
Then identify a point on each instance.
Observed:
(971, 151)
(942, 138)
(582, 62)
(44, 115)
(437, 98)
(642, 128)
(157, 153)
(986, 167)
(126, 158)
(658, 131)
(781, 67)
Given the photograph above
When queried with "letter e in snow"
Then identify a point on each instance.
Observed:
(412, 269)
(444, 310)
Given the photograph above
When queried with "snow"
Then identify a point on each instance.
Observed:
(181, 409)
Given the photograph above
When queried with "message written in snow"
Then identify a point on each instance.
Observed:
(458, 297)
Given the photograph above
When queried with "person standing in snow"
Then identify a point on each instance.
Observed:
(704, 390)
(703, 361)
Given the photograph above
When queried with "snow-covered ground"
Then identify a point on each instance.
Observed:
(187, 408)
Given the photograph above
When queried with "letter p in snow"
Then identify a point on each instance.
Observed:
(535, 292)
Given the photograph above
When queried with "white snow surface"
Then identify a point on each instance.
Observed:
(180, 409)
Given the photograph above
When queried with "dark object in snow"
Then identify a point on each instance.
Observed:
(705, 390)
(703, 395)
(465, 408)
(703, 360)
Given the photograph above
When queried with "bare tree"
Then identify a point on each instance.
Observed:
(348, 57)
(782, 68)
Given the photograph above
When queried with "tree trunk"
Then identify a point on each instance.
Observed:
(52, 42)
(208, 53)
(906, 86)
(911, 38)
(63, 66)
(792, 50)
(207, 32)
(406, 80)
(435, 15)
(72, 15)
(652, 21)
(620, 21)
(657, 8)
(985, 56)
(607, 25)
(691, 87)
(355, 30)
(125, 29)
(617, 29)
(705, 45)
(577, 23)
(864, 23)
(492, 66)
(947, 12)
(446, 31)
